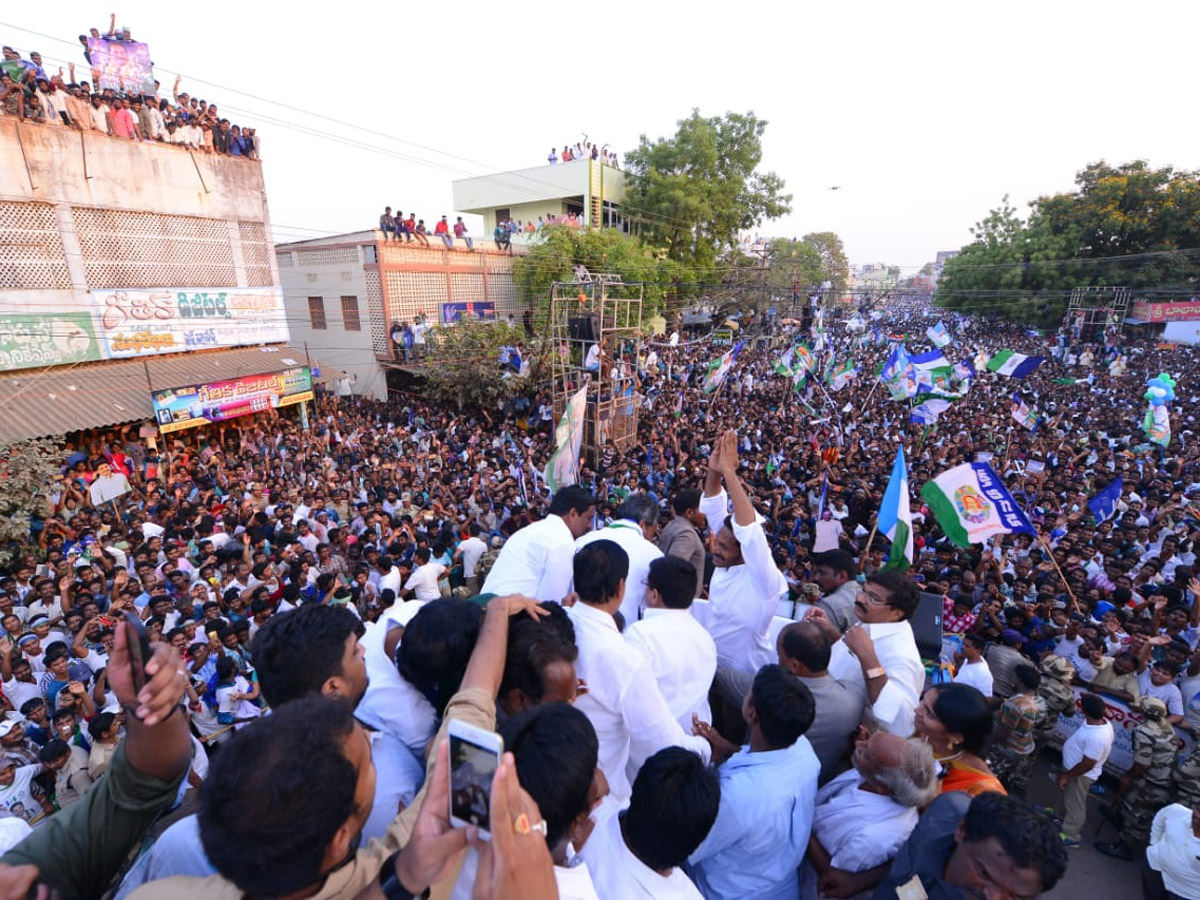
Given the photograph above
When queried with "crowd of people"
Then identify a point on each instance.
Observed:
(409, 229)
(582, 149)
(29, 92)
(706, 680)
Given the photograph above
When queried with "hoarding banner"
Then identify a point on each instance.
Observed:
(188, 407)
(51, 339)
(1145, 311)
(121, 66)
(135, 323)
(456, 312)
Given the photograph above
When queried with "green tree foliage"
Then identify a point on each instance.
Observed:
(1124, 226)
(561, 248)
(690, 194)
(798, 260)
(835, 267)
(27, 470)
(463, 368)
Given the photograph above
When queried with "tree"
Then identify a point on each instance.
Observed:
(464, 364)
(27, 471)
(561, 248)
(692, 193)
(835, 268)
(1122, 226)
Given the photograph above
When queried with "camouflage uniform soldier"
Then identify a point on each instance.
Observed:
(1146, 787)
(1055, 691)
(1187, 779)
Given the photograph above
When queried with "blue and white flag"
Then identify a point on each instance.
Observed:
(1104, 504)
(719, 368)
(927, 413)
(895, 364)
(824, 492)
(925, 362)
(1014, 365)
(971, 504)
(938, 335)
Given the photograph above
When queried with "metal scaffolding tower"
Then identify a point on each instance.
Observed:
(1095, 312)
(597, 311)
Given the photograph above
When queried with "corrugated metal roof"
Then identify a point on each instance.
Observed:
(40, 403)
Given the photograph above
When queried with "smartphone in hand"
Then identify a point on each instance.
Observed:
(137, 644)
(474, 759)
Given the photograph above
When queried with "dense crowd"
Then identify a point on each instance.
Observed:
(30, 93)
(580, 150)
(706, 678)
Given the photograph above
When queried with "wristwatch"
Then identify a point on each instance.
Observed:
(389, 881)
(876, 672)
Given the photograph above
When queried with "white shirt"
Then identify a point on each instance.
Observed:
(682, 656)
(390, 580)
(623, 702)
(1174, 849)
(896, 650)
(977, 675)
(628, 536)
(618, 874)
(860, 829)
(104, 489)
(828, 536)
(471, 549)
(391, 704)
(574, 882)
(537, 561)
(743, 598)
(424, 581)
(1094, 742)
(593, 357)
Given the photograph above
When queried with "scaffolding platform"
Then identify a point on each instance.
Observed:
(595, 322)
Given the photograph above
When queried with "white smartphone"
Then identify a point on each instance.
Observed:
(474, 757)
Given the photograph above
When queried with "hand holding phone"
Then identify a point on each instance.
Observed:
(137, 644)
(474, 758)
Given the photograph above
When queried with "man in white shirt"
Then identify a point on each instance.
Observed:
(469, 551)
(639, 854)
(974, 668)
(880, 652)
(746, 586)
(307, 537)
(389, 577)
(1173, 857)
(623, 702)
(423, 582)
(682, 654)
(633, 529)
(536, 561)
(864, 815)
(1084, 754)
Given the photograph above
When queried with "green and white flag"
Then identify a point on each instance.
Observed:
(895, 516)
(784, 364)
(563, 466)
(971, 504)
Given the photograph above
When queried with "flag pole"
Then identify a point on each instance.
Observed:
(1058, 568)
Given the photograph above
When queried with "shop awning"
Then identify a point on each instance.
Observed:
(46, 402)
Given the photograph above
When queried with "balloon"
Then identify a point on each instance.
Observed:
(1160, 389)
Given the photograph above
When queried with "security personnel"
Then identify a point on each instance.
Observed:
(1187, 779)
(1055, 690)
(1146, 787)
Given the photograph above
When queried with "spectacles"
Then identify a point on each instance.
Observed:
(875, 599)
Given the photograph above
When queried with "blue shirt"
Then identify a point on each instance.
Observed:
(758, 841)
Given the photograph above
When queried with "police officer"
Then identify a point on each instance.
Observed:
(1187, 779)
(1146, 787)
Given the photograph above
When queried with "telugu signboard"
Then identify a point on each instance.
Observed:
(121, 66)
(135, 323)
(1145, 311)
(188, 407)
(52, 339)
(453, 313)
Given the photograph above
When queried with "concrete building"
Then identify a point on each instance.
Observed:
(589, 189)
(128, 268)
(344, 293)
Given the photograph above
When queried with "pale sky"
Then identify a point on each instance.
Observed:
(924, 113)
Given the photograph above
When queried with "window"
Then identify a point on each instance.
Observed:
(350, 320)
(316, 313)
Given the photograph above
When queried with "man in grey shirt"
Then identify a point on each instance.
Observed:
(835, 572)
(1003, 659)
(681, 537)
